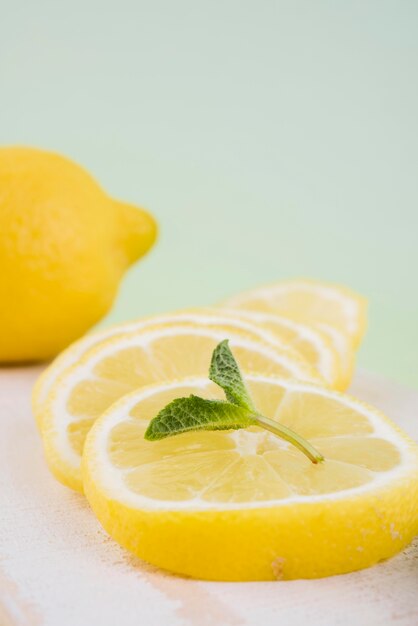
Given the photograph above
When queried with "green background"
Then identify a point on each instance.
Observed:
(270, 139)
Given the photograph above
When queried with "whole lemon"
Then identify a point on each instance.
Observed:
(64, 246)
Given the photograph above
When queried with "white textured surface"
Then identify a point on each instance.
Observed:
(59, 568)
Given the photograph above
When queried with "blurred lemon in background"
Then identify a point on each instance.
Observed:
(64, 246)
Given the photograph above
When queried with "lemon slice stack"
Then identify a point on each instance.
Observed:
(243, 504)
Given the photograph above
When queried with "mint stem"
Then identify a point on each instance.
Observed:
(289, 435)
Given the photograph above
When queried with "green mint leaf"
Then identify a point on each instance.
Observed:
(194, 413)
(224, 371)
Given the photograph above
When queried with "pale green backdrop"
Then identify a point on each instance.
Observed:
(271, 139)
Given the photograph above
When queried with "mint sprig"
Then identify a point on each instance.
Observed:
(238, 411)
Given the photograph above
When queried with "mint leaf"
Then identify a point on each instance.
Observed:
(224, 371)
(194, 413)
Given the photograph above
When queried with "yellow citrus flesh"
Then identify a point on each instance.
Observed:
(64, 246)
(324, 359)
(127, 362)
(308, 301)
(245, 505)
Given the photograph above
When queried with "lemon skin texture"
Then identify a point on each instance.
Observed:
(304, 540)
(64, 247)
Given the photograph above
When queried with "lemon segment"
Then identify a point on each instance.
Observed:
(244, 504)
(308, 301)
(212, 318)
(121, 364)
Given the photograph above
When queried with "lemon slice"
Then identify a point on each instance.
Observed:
(308, 301)
(213, 318)
(245, 505)
(124, 363)
(320, 347)
(343, 345)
